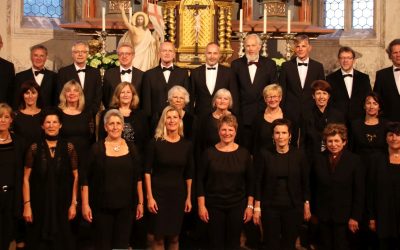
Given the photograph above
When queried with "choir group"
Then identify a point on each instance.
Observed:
(219, 158)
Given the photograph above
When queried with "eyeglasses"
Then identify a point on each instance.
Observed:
(125, 53)
(272, 97)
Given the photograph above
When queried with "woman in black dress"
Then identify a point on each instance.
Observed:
(262, 134)
(338, 197)
(27, 119)
(111, 186)
(208, 137)
(282, 189)
(316, 120)
(78, 125)
(384, 191)
(11, 165)
(136, 127)
(50, 187)
(225, 188)
(168, 176)
(178, 97)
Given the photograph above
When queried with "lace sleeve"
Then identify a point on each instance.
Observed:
(73, 156)
(30, 155)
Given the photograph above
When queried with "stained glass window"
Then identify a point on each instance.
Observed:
(334, 14)
(363, 14)
(43, 8)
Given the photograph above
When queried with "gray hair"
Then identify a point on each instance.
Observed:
(80, 43)
(179, 89)
(223, 92)
(253, 36)
(111, 113)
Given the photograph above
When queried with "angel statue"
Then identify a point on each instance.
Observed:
(145, 43)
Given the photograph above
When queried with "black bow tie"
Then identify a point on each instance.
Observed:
(252, 63)
(211, 68)
(396, 69)
(347, 75)
(128, 71)
(165, 69)
(81, 70)
(39, 72)
(302, 64)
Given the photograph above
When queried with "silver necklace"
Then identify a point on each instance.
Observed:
(117, 148)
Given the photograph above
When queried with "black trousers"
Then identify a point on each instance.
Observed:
(112, 228)
(389, 244)
(224, 227)
(6, 219)
(281, 227)
(333, 236)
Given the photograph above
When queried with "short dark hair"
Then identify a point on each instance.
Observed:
(346, 49)
(38, 46)
(25, 86)
(320, 85)
(391, 45)
(333, 129)
(392, 127)
(301, 37)
(282, 122)
(51, 111)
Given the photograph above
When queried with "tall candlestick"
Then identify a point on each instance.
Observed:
(103, 19)
(130, 14)
(289, 17)
(265, 20)
(88, 8)
(241, 20)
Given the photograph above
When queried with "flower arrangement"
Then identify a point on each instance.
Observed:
(279, 61)
(101, 61)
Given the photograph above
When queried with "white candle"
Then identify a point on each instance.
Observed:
(289, 17)
(103, 19)
(130, 14)
(265, 20)
(241, 20)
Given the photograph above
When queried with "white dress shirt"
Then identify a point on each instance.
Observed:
(39, 77)
(166, 73)
(81, 75)
(348, 81)
(127, 77)
(397, 78)
(211, 77)
(302, 70)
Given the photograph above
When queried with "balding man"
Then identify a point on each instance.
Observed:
(207, 79)
(253, 72)
(7, 74)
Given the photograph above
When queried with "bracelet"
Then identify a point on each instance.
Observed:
(26, 202)
(257, 209)
(250, 206)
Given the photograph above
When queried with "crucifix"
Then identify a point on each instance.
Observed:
(197, 27)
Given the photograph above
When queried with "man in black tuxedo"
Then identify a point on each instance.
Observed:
(387, 83)
(207, 79)
(87, 76)
(7, 74)
(124, 73)
(157, 81)
(296, 78)
(46, 79)
(349, 86)
(253, 72)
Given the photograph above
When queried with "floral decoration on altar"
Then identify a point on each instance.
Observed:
(101, 61)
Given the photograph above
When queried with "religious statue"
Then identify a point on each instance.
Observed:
(145, 43)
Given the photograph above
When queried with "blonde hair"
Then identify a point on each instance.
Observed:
(115, 100)
(272, 87)
(222, 92)
(161, 130)
(179, 89)
(4, 107)
(68, 86)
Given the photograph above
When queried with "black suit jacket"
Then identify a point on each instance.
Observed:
(298, 176)
(47, 88)
(91, 89)
(353, 107)
(385, 86)
(7, 75)
(251, 100)
(297, 100)
(201, 97)
(112, 78)
(155, 88)
(338, 195)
